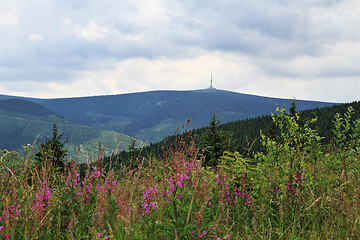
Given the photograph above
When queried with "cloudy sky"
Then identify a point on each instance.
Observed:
(308, 49)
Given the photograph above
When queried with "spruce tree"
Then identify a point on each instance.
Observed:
(214, 142)
(53, 150)
(132, 151)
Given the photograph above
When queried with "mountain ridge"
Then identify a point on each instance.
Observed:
(153, 115)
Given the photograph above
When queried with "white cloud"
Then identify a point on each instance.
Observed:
(8, 15)
(91, 32)
(36, 37)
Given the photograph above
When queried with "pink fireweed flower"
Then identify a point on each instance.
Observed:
(172, 188)
(202, 235)
(179, 184)
(111, 186)
(43, 196)
(248, 200)
(152, 204)
(97, 174)
(299, 176)
(150, 193)
(149, 196)
(291, 189)
(217, 180)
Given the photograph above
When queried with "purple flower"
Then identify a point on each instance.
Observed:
(299, 176)
(149, 195)
(152, 204)
(172, 188)
(178, 183)
(291, 189)
(202, 235)
(248, 200)
(97, 174)
(114, 183)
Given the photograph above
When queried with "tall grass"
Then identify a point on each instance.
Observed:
(298, 189)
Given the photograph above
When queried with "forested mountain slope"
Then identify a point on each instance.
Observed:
(21, 122)
(246, 132)
(153, 115)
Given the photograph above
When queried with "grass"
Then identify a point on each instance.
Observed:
(298, 189)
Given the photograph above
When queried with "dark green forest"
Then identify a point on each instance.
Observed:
(244, 135)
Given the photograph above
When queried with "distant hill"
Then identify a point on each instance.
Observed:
(21, 121)
(156, 114)
(25, 107)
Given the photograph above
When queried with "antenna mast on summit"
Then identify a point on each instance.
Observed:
(211, 83)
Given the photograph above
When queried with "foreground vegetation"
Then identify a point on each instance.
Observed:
(299, 188)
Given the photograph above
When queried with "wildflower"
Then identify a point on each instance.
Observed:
(172, 188)
(299, 176)
(178, 183)
(149, 195)
(114, 183)
(202, 235)
(248, 200)
(97, 174)
(152, 204)
(1, 228)
(291, 189)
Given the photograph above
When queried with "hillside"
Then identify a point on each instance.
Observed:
(154, 115)
(246, 132)
(22, 121)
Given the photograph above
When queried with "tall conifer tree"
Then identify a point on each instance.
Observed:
(53, 150)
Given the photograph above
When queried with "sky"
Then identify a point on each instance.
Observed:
(308, 49)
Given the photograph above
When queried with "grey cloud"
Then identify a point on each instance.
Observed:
(282, 38)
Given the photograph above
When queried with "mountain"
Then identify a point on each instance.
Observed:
(21, 121)
(156, 114)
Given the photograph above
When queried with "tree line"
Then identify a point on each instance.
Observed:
(242, 137)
